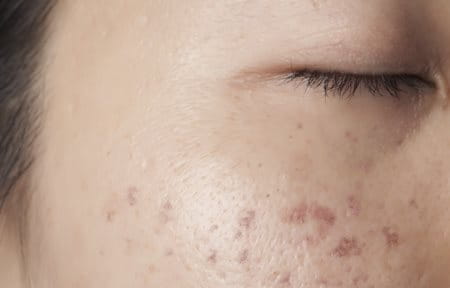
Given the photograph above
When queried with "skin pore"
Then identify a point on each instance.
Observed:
(174, 153)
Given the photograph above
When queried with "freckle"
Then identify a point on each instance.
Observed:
(324, 214)
(243, 256)
(247, 219)
(392, 238)
(110, 215)
(347, 247)
(354, 206)
(238, 235)
(212, 258)
(296, 215)
(213, 228)
(131, 196)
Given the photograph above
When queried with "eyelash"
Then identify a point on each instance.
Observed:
(347, 84)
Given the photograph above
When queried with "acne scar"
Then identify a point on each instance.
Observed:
(169, 252)
(347, 247)
(238, 235)
(353, 205)
(167, 206)
(110, 215)
(285, 279)
(243, 256)
(360, 279)
(246, 220)
(391, 237)
(324, 214)
(213, 228)
(352, 138)
(131, 195)
(212, 258)
(296, 215)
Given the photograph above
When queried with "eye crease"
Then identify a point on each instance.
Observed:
(346, 85)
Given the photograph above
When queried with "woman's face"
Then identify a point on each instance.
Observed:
(179, 151)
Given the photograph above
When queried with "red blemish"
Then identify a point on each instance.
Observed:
(247, 219)
(212, 258)
(323, 214)
(213, 228)
(392, 238)
(347, 247)
(367, 166)
(238, 235)
(131, 196)
(110, 215)
(354, 206)
(296, 215)
(363, 278)
(243, 256)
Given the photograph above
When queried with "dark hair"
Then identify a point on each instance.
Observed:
(22, 31)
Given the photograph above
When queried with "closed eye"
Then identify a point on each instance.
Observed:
(342, 84)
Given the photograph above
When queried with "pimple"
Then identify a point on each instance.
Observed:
(132, 195)
(247, 219)
(212, 258)
(347, 247)
(296, 215)
(324, 214)
(392, 238)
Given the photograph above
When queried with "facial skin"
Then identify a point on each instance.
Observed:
(171, 156)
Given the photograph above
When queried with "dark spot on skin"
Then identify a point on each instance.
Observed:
(169, 252)
(360, 279)
(413, 204)
(267, 195)
(347, 247)
(212, 258)
(243, 256)
(352, 138)
(167, 206)
(247, 219)
(392, 238)
(213, 228)
(260, 165)
(285, 279)
(110, 215)
(354, 206)
(324, 214)
(131, 195)
(296, 215)
(238, 235)
(300, 126)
